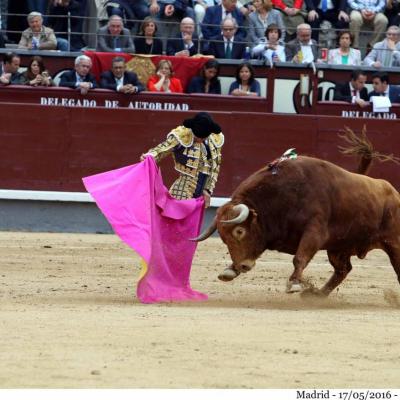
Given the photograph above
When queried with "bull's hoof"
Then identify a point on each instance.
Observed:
(294, 287)
(228, 275)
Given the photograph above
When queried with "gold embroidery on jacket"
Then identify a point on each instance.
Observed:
(185, 186)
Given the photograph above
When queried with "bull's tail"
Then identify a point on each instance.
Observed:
(360, 146)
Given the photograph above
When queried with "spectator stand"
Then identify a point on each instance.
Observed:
(144, 66)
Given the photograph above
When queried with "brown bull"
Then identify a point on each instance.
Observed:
(305, 205)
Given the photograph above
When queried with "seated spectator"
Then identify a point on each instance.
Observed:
(344, 54)
(164, 81)
(353, 92)
(387, 52)
(80, 78)
(147, 42)
(114, 37)
(9, 74)
(392, 12)
(227, 45)
(263, 16)
(333, 11)
(293, 14)
(119, 79)
(184, 44)
(212, 21)
(37, 36)
(59, 21)
(169, 13)
(269, 47)
(380, 83)
(208, 81)
(36, 73)
(245, 84)
(303, 49)
(367, 12)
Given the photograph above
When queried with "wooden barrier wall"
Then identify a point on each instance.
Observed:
(52, 148)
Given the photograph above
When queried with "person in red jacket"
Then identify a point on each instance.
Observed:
(163, 80)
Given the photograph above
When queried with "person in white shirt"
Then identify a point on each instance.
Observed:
(303, 49)
(269, 47)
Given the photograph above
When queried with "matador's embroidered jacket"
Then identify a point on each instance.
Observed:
(197, 163)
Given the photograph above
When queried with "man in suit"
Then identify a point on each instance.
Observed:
(216, 14)
(119, 79)
(353, 92)
(9, 74)
(333, 11)
(303, 49)
(114, 37)
(387, 52)
(80, 78)
(225, 45)
(380, 83)
(184, 44)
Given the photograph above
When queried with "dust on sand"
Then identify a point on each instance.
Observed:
(69, 319)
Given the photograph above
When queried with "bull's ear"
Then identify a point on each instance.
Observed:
(254, 216)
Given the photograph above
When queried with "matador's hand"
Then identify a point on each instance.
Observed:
(207, 198)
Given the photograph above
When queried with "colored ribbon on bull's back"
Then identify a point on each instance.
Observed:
(146, 217)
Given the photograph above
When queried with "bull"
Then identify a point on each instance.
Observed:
(303, 205)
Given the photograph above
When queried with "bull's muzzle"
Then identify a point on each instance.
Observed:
(245, 266)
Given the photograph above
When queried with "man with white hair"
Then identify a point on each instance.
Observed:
(303, 49)
(387, 52)
(184, 44)
(37, 36)
(114, 37)
(80, 78)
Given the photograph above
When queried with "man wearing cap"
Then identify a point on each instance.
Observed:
(196, 149)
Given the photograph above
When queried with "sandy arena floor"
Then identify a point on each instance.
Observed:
(69, 318)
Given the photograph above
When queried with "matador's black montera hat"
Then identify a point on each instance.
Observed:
(202, 125)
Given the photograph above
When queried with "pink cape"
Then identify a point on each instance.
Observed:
(146, 217)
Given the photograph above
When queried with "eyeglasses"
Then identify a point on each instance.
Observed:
(228, 29)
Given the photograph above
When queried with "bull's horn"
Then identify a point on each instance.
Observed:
(207, 233)
(243, 214)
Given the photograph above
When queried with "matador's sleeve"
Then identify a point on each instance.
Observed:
(178, 136)
(217, 141)
(164, 148)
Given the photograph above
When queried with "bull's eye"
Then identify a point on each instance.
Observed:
(239, 232)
